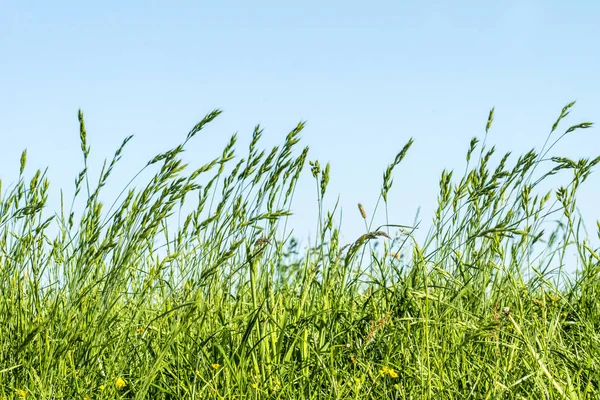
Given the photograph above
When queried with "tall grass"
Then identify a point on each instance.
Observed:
(190, 286)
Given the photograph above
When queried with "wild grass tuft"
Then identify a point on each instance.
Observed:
(189, 285)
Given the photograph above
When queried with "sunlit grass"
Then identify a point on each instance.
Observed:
(189, 286)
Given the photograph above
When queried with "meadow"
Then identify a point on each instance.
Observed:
(189, 286)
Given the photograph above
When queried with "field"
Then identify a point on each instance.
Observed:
(189, 287)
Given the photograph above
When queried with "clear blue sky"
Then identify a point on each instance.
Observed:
(365, 77)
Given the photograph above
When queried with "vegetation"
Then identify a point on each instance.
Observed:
(190, 286)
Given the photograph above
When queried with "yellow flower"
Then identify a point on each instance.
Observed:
(388, 371)
(255, 385)
(216, 366)
(140, 330)
(101, 387)
(120, 383)
(21, 393)
(86, 398)
(396, 386)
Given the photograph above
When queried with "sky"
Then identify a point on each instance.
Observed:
(365, 76)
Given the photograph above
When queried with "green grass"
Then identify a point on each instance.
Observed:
(189, 286)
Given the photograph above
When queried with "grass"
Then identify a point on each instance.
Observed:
(189, 286)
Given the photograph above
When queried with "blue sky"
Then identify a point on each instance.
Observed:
(365, 76)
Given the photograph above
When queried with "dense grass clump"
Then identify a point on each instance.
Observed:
(189, 286)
